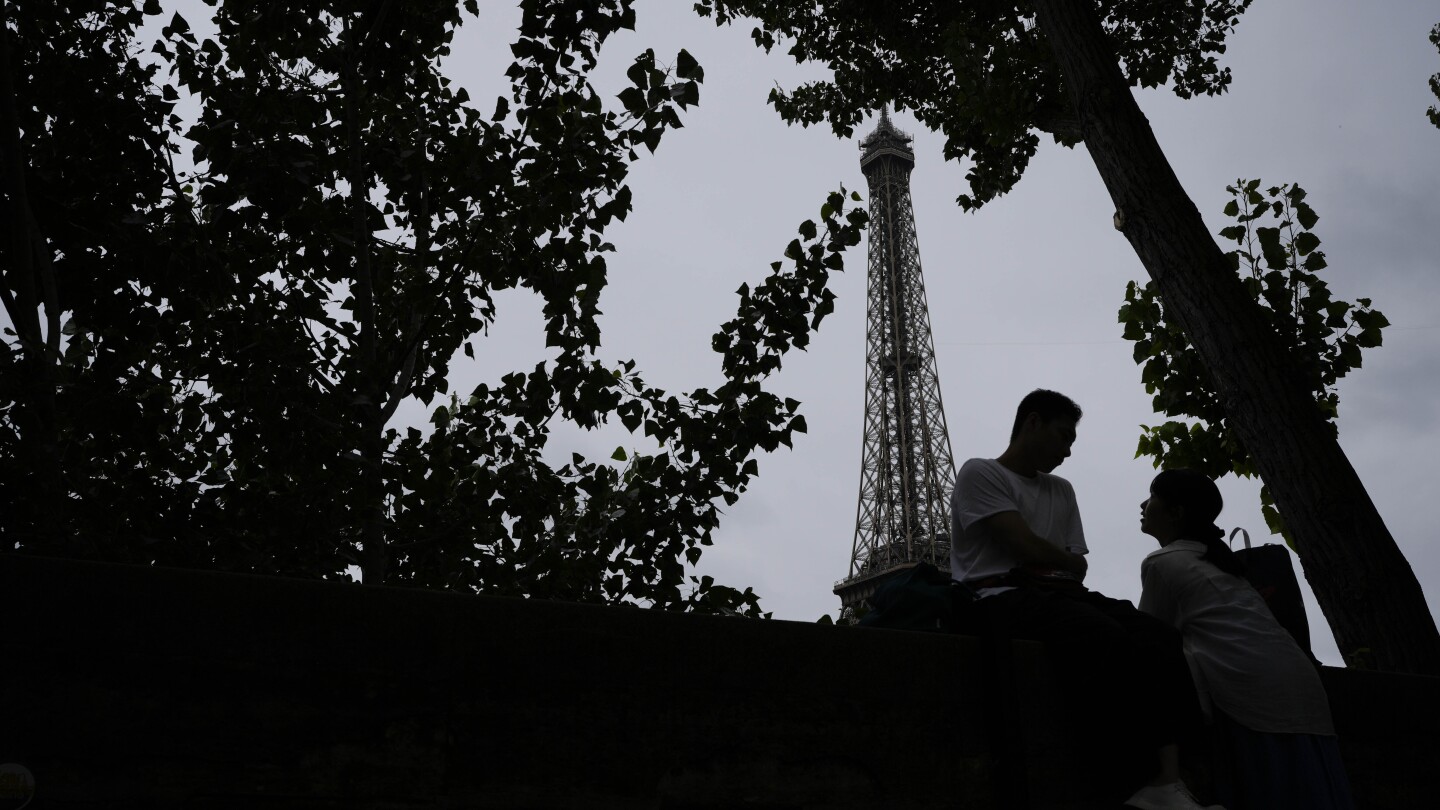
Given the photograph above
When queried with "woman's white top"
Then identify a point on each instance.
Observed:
(1240, 657)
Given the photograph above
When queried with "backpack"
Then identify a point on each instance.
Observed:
(1269, 570)
(921, 597)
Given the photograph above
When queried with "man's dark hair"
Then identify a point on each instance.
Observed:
(1049, 405)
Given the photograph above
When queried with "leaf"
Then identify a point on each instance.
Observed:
(1349, 354)
(687, 68)
(1306, 215)
(685, 94)
(633, 99)
(1306, 242)
(619, 454)
(1275, 254)
(639, 73)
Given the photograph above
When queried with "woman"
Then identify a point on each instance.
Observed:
(1264, 695)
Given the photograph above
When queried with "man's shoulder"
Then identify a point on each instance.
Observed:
(981, 469)
(990, 472)
(1056, 482)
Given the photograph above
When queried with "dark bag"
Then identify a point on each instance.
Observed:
(920, 598)
(1049, 579)
(1269, 570)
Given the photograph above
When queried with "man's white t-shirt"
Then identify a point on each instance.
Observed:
(985, 487)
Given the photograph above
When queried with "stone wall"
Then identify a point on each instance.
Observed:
(131, 687)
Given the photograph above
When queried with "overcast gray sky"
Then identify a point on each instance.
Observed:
(1023, 294)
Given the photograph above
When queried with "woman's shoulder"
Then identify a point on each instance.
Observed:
(1180, 561)
(1179, 554)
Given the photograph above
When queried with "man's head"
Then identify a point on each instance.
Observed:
(1045, 428)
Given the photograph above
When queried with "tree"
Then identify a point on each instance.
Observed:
(336, 244)
(1280, 265)
(1433, 112)
(991, 76)
(85, 372)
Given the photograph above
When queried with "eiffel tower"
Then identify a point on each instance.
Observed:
(906, 468)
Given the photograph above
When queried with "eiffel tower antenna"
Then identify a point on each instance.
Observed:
(906, 468)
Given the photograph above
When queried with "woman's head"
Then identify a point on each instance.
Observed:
(1183, 504)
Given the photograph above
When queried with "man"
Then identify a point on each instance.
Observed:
(1020, 547)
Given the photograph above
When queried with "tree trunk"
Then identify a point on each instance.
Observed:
(364, 383)
(1364, 585)
(40, 521)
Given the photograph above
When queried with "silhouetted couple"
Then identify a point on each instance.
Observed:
(1019, 545)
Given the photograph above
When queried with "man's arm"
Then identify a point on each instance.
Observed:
(1011, 531)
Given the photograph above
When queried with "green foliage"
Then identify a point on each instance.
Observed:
(1434, 112)
(238, 335)
(594, 532)
(980, 72)
(86, 368)
(1278, 257)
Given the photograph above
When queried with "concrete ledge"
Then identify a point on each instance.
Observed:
(141, 687)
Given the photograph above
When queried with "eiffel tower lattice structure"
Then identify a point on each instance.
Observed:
(907, 470)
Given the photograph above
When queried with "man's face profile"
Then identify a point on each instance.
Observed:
(1053, 439)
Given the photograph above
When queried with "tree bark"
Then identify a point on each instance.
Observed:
(1364, 585)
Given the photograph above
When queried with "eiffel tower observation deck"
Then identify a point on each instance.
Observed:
(906, 468)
